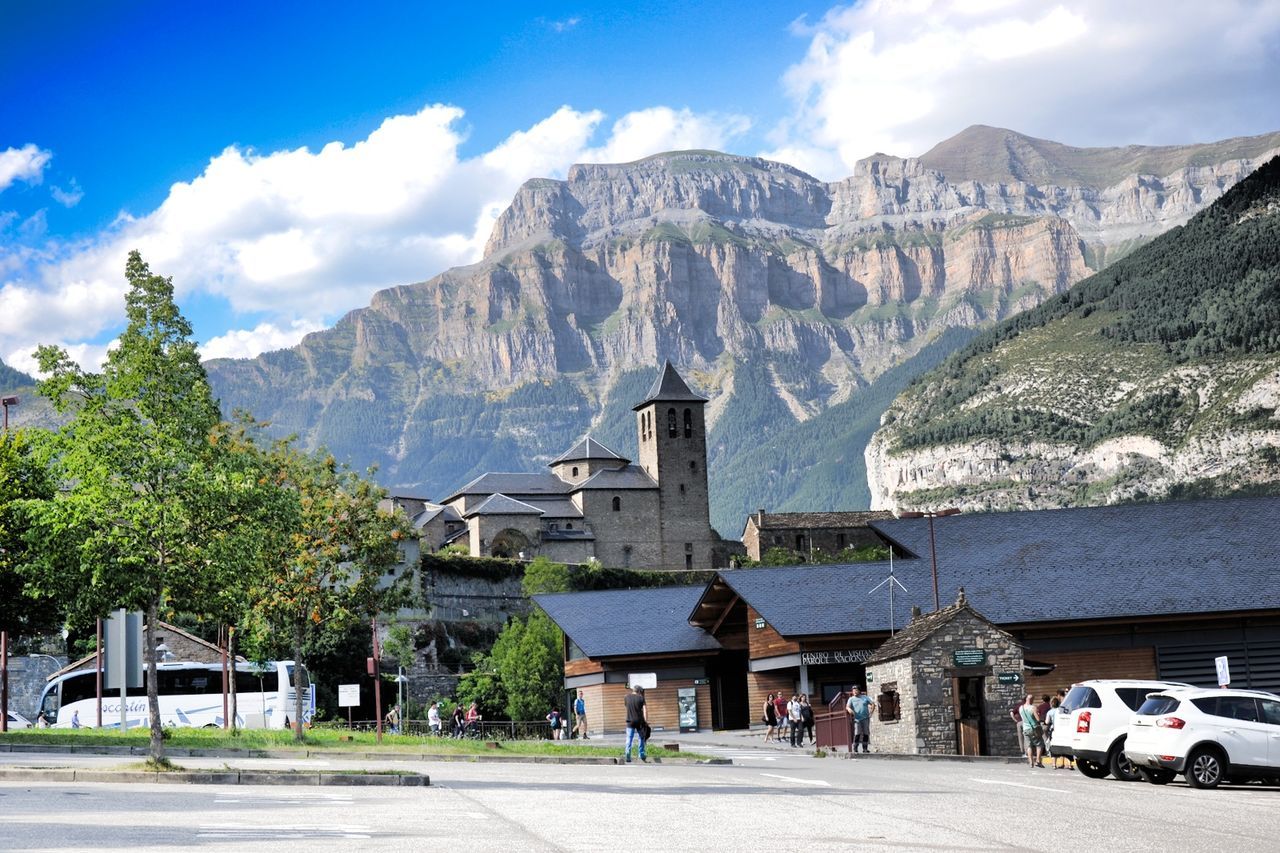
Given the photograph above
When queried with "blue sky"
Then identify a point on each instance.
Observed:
(284, 160)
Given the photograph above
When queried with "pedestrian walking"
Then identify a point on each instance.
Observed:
(780, 711)
(553, 719)
(859, 708)
(806, 716)
(433, 718)
(75, 720)
(580, 715)
(637, 722)
(1032, 731)
(770, 718)
(459, 721)
(393, 720)
(796, 719)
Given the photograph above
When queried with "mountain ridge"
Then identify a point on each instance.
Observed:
(778, 295)
(1157, 377)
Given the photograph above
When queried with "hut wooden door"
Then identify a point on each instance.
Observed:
(966, 702)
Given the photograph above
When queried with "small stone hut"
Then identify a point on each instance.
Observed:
(944, 685)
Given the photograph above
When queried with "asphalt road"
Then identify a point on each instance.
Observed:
(763, 800)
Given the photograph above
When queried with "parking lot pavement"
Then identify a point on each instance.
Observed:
(842, 804)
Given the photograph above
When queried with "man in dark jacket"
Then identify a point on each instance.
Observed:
(637, 721)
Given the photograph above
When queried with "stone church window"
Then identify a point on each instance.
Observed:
(693, 467)
(688, 423)
(617, 504)
(575, 471)
(671, 423)
(682, 488)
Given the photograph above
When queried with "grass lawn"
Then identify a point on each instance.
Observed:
(319, 738)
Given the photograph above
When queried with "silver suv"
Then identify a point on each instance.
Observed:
(1093, 722)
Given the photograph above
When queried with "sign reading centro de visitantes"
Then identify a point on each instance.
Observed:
(843, 656)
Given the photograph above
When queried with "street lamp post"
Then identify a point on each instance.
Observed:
(933, 544)
(7, 402)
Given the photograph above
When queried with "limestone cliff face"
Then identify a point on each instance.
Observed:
(712, 261)
(1222, 446)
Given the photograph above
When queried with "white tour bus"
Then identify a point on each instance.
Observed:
(190, 695)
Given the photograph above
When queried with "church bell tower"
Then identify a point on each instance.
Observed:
(671, 428)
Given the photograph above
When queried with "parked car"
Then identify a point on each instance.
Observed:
(17, 721)
(1093, 722)
(1211, 735)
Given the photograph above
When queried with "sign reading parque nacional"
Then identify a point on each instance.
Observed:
(842, 656)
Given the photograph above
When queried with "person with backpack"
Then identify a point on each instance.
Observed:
(553, 719)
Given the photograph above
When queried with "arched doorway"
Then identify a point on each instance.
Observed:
(510, 543)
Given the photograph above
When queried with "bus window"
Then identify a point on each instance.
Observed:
(306, 679)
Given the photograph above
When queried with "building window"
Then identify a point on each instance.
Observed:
(840, 541)
(671, 423)
(682, 488)
(693, 467)
(688, 423)
(688, 547)
(626, 556)
(888, 704)
(688, 561)
(777, 539)
(617, 504)
(568, 525)
(800, 542)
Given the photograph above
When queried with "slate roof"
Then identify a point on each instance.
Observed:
(588, 448)
(630, 477)
(617, 622)
(669, 388)
(503, 505)
(555, 508)
(541, 483)
(1204, 556)
(816, 520)
(922, 628)
(432, 510)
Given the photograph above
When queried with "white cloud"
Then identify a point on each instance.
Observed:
(566, 24)
(265, 337)
(298, 237)
(899, 77)
(23, 164)
(68, 197)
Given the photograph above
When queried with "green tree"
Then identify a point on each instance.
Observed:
(139, 481)
(325, 571)
(24, 608)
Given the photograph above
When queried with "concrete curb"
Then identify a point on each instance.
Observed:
(472, 757)
(216, 777)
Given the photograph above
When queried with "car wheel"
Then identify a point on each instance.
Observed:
(1205, 768)
(1156, 776)
(1120, 765)
(1092, 769)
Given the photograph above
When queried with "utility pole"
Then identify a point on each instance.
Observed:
(376, 669)
(4, 634)
(933, 544)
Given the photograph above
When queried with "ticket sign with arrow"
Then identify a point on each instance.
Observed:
(1009, 677)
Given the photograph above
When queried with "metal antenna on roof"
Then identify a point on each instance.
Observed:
(890, 582)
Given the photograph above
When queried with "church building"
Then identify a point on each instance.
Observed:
(595, 504)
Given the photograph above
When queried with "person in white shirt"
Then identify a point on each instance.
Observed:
(433, 717)
(795, 716)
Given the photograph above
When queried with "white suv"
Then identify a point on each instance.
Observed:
(1210, 734)
(1093, 722)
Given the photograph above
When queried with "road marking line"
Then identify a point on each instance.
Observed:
(817, 782)
(1019, 785)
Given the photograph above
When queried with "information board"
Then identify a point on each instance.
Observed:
(969, 657)
(348, 695)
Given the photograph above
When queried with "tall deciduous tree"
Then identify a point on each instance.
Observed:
(140, 481)
(24, 608)
(326, 570)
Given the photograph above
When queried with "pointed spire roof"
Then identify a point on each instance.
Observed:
(588, 448)
(669, 387)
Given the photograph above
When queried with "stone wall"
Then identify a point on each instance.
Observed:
(27, 678)
(897, 736)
